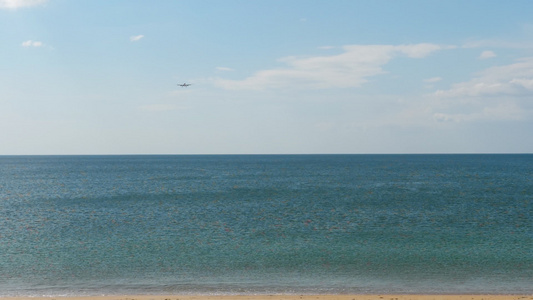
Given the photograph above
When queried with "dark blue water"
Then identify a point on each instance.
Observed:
(87, 225)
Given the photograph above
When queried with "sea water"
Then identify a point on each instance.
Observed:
(95, 225)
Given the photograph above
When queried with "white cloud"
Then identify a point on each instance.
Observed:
(348, 69)
(487, 54)
(30, 43)
(514, 79)
(497, 93)
(526, 83)
(136, 38)
(14, 4)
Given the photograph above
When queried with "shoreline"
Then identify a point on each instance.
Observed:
(289, 297)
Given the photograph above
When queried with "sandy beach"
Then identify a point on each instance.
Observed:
(285, 297)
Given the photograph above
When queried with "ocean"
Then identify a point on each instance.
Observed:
(266, 224)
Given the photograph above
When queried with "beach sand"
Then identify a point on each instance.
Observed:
(285, 297)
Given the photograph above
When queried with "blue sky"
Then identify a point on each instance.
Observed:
(100, 77)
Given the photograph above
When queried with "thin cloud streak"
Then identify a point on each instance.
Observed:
(498, 43)
(30, 43)
(136, 38)
(507, 110)
(224, 69)
(346, 70)
(487, 54)
(433, 79)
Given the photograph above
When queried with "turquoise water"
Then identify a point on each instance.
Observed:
(91, 225)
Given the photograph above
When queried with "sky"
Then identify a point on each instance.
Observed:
(268, 76)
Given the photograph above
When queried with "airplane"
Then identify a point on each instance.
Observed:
(184, 85)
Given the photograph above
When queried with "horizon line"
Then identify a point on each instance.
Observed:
(276, 154)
